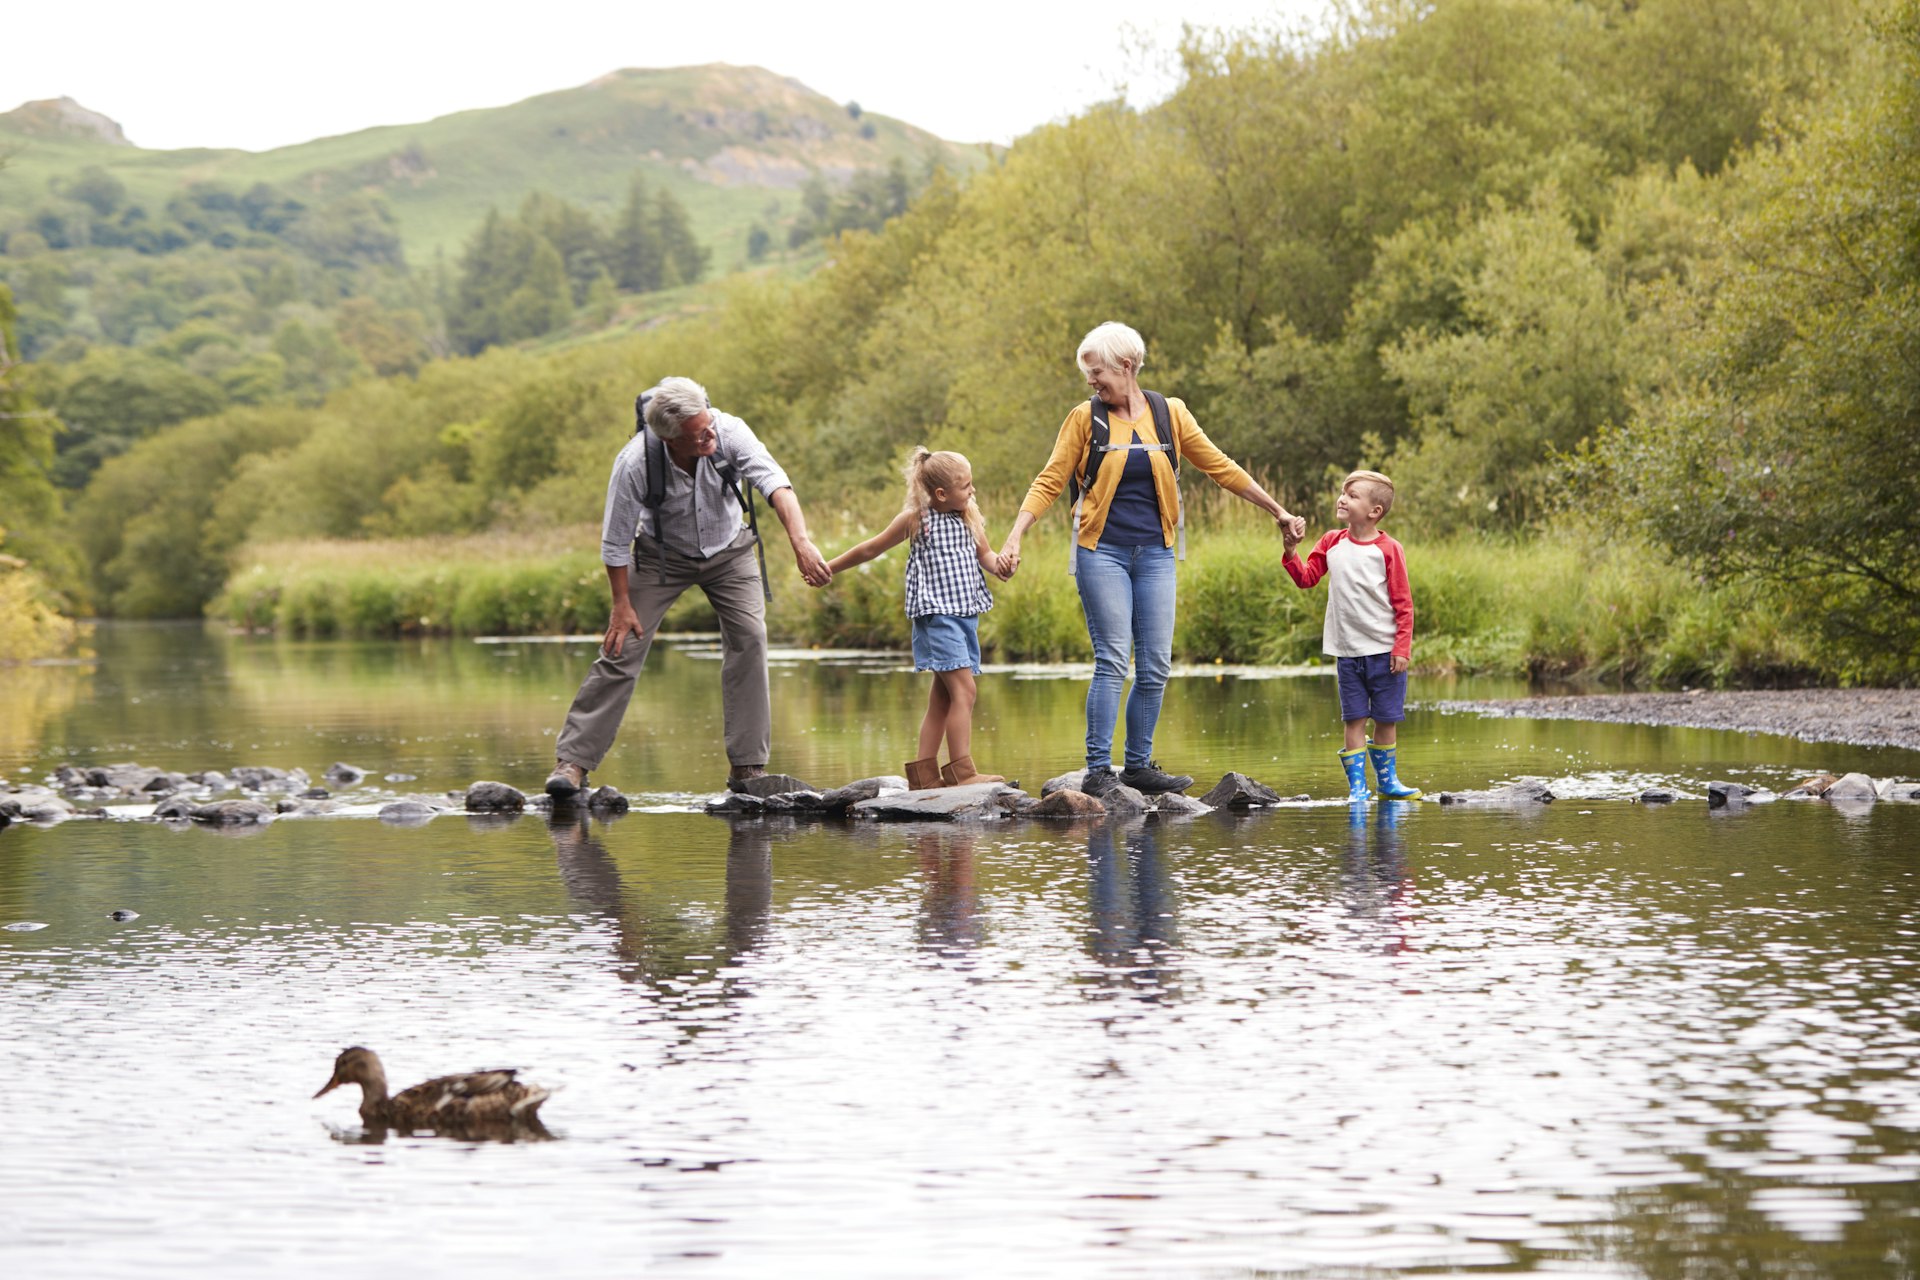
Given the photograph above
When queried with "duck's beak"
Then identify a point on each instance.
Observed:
(329, 1086)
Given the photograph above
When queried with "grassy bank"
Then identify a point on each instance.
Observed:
(1552, 606)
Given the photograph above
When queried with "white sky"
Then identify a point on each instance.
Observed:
(265, 73)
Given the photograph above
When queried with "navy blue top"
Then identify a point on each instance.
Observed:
(1133, 516)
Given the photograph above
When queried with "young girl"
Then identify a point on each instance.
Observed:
(946, 594)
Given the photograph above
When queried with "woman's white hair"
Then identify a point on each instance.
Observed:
(672, 404)
(1110, 344)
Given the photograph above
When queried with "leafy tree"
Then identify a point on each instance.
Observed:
(112, 398)
(1781, 449)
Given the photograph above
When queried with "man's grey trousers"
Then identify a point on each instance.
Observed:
(731, 581)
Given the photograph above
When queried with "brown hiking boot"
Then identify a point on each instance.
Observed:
(566, 779)
(923, 775)
(960, 774)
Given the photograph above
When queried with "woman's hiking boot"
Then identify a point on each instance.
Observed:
(1355, 763)
(923, 775)
(961, 773)
(1391, 788)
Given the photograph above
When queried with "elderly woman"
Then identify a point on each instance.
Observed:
(1126, 520)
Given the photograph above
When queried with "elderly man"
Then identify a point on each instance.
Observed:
(675, 484)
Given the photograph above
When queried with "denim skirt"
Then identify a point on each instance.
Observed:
(946, 642)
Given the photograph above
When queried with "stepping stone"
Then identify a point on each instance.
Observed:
(1122, 801)
(772, 784)
(494, 797)
(1238, 791)
(1173, 804)
(975, 802)
(1063, 802)
(407, 813)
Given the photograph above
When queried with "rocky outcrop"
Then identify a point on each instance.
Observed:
(63, 117)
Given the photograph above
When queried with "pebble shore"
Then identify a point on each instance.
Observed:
(1860, 717)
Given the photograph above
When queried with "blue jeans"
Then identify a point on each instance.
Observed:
(1127, 594)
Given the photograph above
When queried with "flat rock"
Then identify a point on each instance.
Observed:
(1238, 791)
(341, 774)
(494, 797)
(232, 813)
(1063, 802)
(977, 801)
(853, 793)
(771, 784)
(1173, 804)
(407, 813)
(1513, 795)
(1900, 791)
(1658, 795)
(301, 807)
(1853, 786)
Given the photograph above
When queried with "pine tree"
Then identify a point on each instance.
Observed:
(686, 258)
(637, 261)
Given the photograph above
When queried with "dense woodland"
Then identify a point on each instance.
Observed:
(1637, 275)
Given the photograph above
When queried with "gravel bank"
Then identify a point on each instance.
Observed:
(1863, 717)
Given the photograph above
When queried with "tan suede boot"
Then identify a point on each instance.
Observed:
(923, 775)
(960, 773)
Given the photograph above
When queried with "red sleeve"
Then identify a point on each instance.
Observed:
(1309, 571)
(1400, 596)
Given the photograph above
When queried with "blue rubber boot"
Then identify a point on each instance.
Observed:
(1391, 788)
(1355, 763)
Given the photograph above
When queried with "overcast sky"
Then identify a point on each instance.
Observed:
(254, 74)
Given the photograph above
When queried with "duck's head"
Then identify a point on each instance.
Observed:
(355, 1066)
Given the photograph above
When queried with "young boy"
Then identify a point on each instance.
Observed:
(1369, 631)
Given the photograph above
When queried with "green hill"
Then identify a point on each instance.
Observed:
(733, 144)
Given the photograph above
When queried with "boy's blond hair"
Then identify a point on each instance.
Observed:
(1380, 488)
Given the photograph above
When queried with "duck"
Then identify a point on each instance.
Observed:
(474, 1101)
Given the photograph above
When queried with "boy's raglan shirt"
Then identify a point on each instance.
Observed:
(1369, 604)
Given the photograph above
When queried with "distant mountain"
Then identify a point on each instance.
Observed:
(734, 144)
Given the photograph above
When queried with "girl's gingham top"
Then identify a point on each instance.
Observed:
(943, 569)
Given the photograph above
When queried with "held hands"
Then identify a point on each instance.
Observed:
(1292, 528)
(1009, 559)
(813, 567)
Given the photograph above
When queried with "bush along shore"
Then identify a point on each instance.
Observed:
(1555, 606)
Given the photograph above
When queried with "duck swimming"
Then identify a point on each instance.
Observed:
(475, 1101)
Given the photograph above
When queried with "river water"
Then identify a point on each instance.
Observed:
(1599, 1038)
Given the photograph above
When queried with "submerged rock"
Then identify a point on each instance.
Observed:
(408, 813)
(175, 809)
(232, 813)
(1238, 791)
(123, 915)
(494, 797)
(1657, 795)
(1729, 795)
(1514, 795)
(341, 774)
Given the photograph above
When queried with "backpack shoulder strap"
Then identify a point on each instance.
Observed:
(656, 473)
(1163, 424)
(1099, 434)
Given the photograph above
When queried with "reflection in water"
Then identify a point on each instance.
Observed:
(949, 925)
(1374, 881)
(1133, 927)
(30, 699)
(655, 944)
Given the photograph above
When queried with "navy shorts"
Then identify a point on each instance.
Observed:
(1369, 687)
(946, 642)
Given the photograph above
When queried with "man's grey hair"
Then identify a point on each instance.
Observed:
(1110, 344)
(672, 404)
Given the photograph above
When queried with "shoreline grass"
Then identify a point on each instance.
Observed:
(1549, 606)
